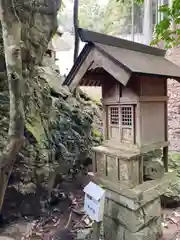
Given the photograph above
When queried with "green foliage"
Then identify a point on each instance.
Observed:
(165, 30)
(174, 160)
(96, 133)
(117, 13)
(113, 18)
(119, 18)
(135, 1)
(139, 1)
(91, 15)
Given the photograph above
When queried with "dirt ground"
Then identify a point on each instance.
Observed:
(66, 218)
(171, 224)
(60, 222)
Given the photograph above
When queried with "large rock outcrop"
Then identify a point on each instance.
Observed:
(59, 126)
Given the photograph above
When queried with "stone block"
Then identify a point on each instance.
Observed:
(152, 232)
(133, 220)
(117, 165)
(6, 238)
(113, 230)
(126, 200)
(137, 197)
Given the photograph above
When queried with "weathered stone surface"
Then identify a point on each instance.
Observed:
(153, 169)
(152, 232)
(113, 230)
(171, 198)
(126, 201)
(116, 164)
(6, 238)
(150, 190)
(174, 114)
(133, 220)
(135, 217)
(140, 195)
(83, 234)
(174, 104)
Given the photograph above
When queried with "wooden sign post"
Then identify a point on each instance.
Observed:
(94, 206)
(96, 230)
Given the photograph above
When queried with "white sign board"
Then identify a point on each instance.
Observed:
(94, 201)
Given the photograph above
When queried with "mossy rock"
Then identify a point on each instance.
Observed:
(96, 133)
(36, 128)
(171, 198)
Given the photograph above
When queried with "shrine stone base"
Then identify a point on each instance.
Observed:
(122, 223)
(134, 214)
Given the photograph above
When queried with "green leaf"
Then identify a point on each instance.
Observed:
(164, 9)
(163, 30)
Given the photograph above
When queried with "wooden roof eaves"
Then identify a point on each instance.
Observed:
(115, 61)
(81, 58)
(95, 37)
(116, 69)
(159, 76)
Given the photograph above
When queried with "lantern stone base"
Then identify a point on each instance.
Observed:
(134, 214)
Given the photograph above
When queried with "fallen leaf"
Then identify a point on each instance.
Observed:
(165, 225)
(173, 220)
(78, 211)
(176, 214)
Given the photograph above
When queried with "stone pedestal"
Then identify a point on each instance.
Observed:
(118, 164)
(123, 223)
(134, 214)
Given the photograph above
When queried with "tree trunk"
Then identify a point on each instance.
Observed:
(76, 26)
(11, 30)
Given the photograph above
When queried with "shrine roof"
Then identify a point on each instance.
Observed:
(119, 57)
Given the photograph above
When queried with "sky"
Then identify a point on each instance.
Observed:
(65, 58)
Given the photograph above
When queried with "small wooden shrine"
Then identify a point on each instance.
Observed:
(133, 78)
